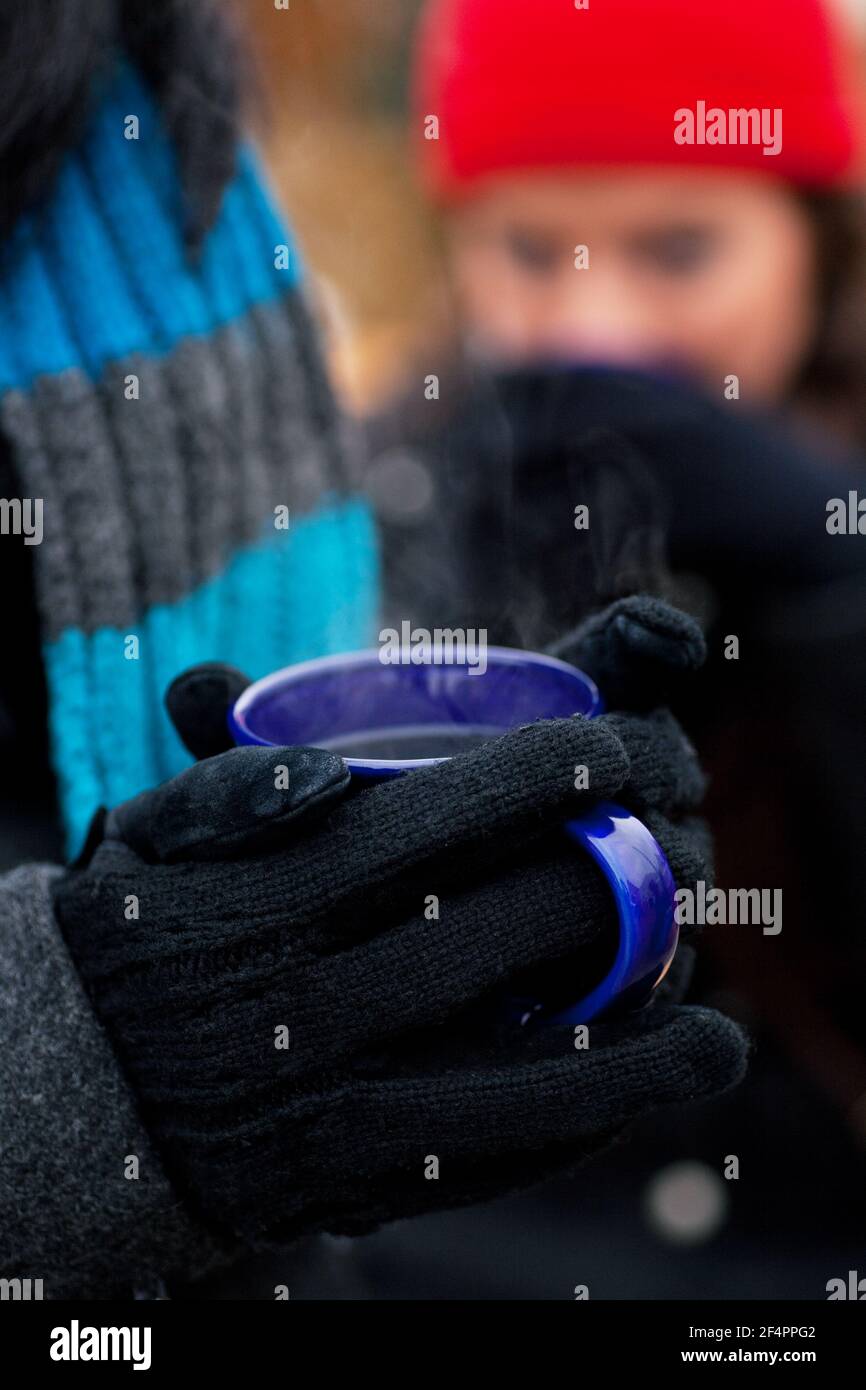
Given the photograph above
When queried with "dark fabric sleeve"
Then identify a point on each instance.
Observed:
(71, 1212)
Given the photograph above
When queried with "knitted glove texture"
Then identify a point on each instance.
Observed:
(304, 1034)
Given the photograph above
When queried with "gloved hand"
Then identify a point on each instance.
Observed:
(639, 651)
(304, 1036)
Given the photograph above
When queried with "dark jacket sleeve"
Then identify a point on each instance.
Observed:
(85, 1205)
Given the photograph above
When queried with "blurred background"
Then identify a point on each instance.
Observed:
(335, 79)
(654, 1219)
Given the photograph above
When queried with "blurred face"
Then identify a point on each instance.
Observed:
(713, 273)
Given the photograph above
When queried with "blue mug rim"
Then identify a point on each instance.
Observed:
(238, 716)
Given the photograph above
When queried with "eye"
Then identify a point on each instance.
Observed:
(678, 250)
(532, 251)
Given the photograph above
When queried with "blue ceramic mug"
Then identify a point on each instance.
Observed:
(385, 720)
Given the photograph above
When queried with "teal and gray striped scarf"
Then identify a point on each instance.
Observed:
(172, 416)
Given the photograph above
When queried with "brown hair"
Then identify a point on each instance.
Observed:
(832, 381)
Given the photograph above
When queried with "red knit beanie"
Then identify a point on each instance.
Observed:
(561, 84)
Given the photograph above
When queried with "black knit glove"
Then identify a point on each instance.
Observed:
(306, 1035)
(638, 650)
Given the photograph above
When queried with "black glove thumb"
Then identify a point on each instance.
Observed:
(240, 802)
(198, 702)
(637, 650)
